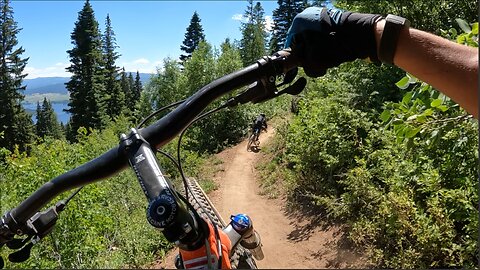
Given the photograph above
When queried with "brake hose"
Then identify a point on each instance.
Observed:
(158, 111)
(178, 164)
(187, 188)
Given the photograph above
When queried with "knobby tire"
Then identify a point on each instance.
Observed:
(251, 139)
(241, 258)
(257, 140)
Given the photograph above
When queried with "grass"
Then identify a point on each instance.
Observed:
(272, 171)
(53, 97)
(206, 174)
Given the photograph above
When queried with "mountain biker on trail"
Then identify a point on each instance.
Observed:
(260, 123)
(345, 36)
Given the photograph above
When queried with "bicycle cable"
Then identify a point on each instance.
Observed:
(187, 187)
(72, 195)
(178, 164)
(158, 111)
(181, 136)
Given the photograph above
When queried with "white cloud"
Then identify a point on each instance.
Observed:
(141, 65)
(268, 23)
(57, 70)
(237, 17)
(141, 61)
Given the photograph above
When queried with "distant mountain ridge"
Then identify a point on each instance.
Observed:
(45, 85)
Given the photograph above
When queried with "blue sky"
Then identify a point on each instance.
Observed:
(146, 31)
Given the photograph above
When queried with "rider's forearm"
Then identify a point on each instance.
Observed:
(449, 67)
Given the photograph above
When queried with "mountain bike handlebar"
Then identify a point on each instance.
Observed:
(260, 76)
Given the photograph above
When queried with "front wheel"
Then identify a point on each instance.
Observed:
(251, 140)
(241, 258)
(257, 140)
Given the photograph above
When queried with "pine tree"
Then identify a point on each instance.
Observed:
(24, 130)
(193, 37)
(115, 98)
(252, 44)
(40, 124)
(283, 18)
(47, 123)
(137, 87)
(16, 126)
(63, 128)
(130, 94)
(320, 3)
(125, 87)
(87, 84)
(132, 90)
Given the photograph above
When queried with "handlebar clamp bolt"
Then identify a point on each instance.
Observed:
(162, 211)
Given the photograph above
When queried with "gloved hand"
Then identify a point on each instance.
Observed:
(323, 38)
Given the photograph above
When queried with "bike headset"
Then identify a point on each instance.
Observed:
(168, 210)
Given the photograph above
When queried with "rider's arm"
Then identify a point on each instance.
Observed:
(446, 65)
(450, 67)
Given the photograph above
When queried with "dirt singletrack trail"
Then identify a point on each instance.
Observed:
(290, 240)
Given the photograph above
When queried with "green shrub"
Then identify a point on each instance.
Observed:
(104, 226)
(408, 202)
(323, 141)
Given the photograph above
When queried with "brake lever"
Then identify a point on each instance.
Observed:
(294, 89)
(40, 225)
(289, 76)
(22, 254)
(265, 89)
(18, 243)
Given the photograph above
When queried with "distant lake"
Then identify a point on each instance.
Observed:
(57, 107)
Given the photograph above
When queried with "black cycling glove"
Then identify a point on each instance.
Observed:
(324, 38)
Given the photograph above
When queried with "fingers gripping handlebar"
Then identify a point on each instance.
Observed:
(265, 87)
(261, 76)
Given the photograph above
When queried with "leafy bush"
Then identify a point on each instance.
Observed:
(403, 179)
(323, 141)
(104, 226)
(406, 212)
(406, 208)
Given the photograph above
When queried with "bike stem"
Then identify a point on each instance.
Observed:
(165, 210)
